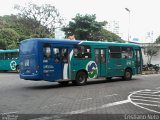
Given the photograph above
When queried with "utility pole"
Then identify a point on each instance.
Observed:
(128, 10)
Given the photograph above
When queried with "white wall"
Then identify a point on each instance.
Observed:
(155, 59)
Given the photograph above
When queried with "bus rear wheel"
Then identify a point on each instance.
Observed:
(17, 69)
(109, 78)
(127, 75)
(81, 78)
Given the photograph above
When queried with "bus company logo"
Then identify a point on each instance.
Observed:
(92, 69)
(13, 65)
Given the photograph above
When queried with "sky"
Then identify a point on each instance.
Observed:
(144, 14)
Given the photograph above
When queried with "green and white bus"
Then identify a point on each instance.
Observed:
(9, 60)
(73, 60)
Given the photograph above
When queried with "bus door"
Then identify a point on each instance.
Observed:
(100, 56)
(55, 67)
(61, 59)
(48, 67)
(138, 63)
(114, 62)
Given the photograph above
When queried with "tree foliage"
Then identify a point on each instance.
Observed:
(87, 28)
(8, 38)
(84, 27)
(46, 15)
(151, 50)
(31, 21)
(110, 37)
(158, 39)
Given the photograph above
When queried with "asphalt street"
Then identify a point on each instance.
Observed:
(100, 99)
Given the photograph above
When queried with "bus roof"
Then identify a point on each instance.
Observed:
(49, 40)
(9, 50)
(72, 42)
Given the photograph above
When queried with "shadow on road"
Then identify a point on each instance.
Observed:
(92, 82)
(10, 72)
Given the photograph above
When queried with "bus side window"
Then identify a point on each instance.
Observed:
(97, 55)
(115, 52)
(127, 52)
(82, 51)
(57, 56)
(8, 56)
(1, 56)
(64, 55)
(103, 57)
(47, 51)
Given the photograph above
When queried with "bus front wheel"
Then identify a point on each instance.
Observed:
(17, 68)
(81, 78)
(127, 75)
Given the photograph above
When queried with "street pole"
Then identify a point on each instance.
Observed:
(128, 10)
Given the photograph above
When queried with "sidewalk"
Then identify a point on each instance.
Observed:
(150, 72)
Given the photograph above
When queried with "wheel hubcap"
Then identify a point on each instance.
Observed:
(81, 79)
(128, 74)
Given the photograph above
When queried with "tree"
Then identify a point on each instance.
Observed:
(25, 27)
(8, 38)
(46, 15)
(110, 37)
(87, 28)
(158, 39)
(84, 27)
(151, 50)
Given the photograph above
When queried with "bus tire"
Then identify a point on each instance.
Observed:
(127, 75)
(108, 78)
(63, 82)
(81, 78)
(17, 68)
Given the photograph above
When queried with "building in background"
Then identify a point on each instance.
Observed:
(113, 26)
(149, 37)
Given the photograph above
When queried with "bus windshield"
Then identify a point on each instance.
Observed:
(27, 47)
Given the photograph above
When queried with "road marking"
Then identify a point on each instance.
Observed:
(138, 104)
(100, 107)
(47, 106)
(158, 88)
(145, 97)
(149, 105)
(110, 95)
(148, 95)
(43, 118)
(149, 92)
(133, 92)
(86, 99)
(156, 92)
(146, 100)
(10, 112)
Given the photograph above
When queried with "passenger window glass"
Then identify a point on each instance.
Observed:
(1, 56)
(115, 52)
(103, 56)
(57, 56)
(138, 56)
(127, 52)
(97, 55)
(47, 52)
(82, 51)
(100, 55)
(64, 55)
(114, 49)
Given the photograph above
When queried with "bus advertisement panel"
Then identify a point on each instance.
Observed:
(76, 61)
